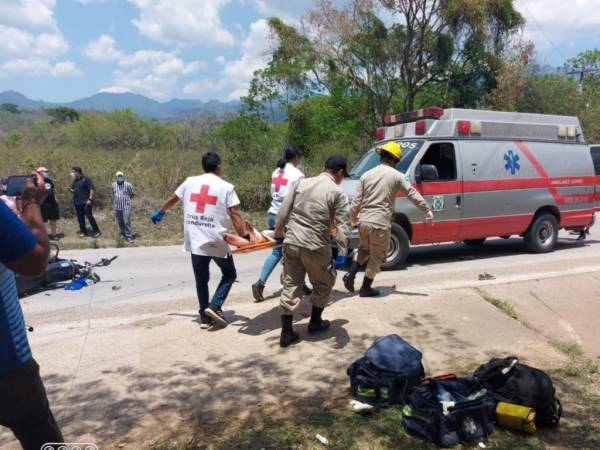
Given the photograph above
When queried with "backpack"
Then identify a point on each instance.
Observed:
(510, 381)
(384, 375)
(448, 412)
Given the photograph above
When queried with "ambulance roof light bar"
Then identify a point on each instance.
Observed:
(433, 112)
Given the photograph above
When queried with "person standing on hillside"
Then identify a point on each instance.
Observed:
(24, 250)
(209, 211)
(309, 212)
(50, 208)
(373, 209)
(83, 198)
(122, 194)
(282, 181)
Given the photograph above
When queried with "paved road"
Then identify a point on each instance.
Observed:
(146, 275)
(125, 360)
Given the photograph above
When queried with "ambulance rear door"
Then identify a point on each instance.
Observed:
(444, 193)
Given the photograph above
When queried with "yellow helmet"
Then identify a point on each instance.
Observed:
(390, 147)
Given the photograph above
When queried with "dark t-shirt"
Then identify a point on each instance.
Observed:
(82, 188)
(50, 194)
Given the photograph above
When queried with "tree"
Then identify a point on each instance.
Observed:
(63, 114)
(13, 139)
(11, 108)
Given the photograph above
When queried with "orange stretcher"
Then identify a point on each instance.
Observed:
(255, 247)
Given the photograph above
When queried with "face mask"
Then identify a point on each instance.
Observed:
(73, 175)
(44, 174)
(120, 179)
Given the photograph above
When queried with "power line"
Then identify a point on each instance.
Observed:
(550, 41)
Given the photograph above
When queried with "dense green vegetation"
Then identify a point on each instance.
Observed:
(335, 83)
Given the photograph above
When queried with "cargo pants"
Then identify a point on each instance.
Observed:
(299, 262)
(373, 247)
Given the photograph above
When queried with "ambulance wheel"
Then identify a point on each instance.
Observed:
(474, 242)
(542, 234)
(398, 251)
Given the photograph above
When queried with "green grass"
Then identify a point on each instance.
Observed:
(503, 306)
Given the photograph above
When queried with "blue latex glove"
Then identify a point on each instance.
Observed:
(340, 261)
(157, 216)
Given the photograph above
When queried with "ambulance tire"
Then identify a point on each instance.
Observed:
(542, 234)
(399, 246)
(474, 242)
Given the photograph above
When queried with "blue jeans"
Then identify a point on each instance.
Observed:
(275, 256)
(200, 264)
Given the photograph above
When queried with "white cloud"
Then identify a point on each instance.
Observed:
(86, 2)
(65, 69)
(203, 86)
(31, 39)
(220, 59)
(115, 90)
(153, 72)
(102, 49)
(24, 66)
(255, 55)
(560, 20)
(36, 14)
(183, 22)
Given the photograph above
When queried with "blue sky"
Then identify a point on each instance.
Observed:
(62, 50)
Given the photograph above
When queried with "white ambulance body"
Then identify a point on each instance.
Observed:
(488, 174)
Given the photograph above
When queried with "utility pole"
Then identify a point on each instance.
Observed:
(581, 72)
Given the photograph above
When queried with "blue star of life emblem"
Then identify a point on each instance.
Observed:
(512, 162)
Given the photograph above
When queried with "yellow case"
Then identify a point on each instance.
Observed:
(516, 417)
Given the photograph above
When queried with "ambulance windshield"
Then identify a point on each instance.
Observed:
(371, 159)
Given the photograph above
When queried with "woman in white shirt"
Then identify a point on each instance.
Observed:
(282, 181)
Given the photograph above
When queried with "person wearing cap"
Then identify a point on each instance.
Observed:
(309, 211)
(373, 211)
(49, 207)
(122, 193)
(83, 192)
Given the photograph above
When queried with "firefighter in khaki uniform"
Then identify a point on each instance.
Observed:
(373, 206)
(309, 212)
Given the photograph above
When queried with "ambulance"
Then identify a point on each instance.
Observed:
(487, 174)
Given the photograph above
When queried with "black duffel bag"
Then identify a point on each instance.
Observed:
(384, 376)
(510, 381)
(448, 412)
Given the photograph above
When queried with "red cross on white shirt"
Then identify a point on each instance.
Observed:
(279, 181)
(202, 199)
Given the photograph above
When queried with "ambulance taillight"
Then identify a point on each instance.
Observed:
(379, 134)
(420, 127)
(464, 127)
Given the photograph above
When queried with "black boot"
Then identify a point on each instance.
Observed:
(306, 290)
(317, 324)
(288, 335)
(366, 290)
(257, 291)
(349, 277)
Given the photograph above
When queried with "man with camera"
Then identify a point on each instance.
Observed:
(24, 250)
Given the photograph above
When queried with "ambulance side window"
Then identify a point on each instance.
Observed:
(442, 156)
(596, 158)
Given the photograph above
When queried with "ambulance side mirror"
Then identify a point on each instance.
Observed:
(427, 172)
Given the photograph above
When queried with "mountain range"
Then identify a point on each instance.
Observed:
(144, 106)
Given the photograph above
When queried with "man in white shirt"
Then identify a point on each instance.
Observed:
(209, 211)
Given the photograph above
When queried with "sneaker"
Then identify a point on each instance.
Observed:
(82, 235)
(206, 323)
(97, 234)
(349, 282)
(216, 315)
(368, 292)
(257, 291)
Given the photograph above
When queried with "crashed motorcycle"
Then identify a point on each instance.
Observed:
(59, 273)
